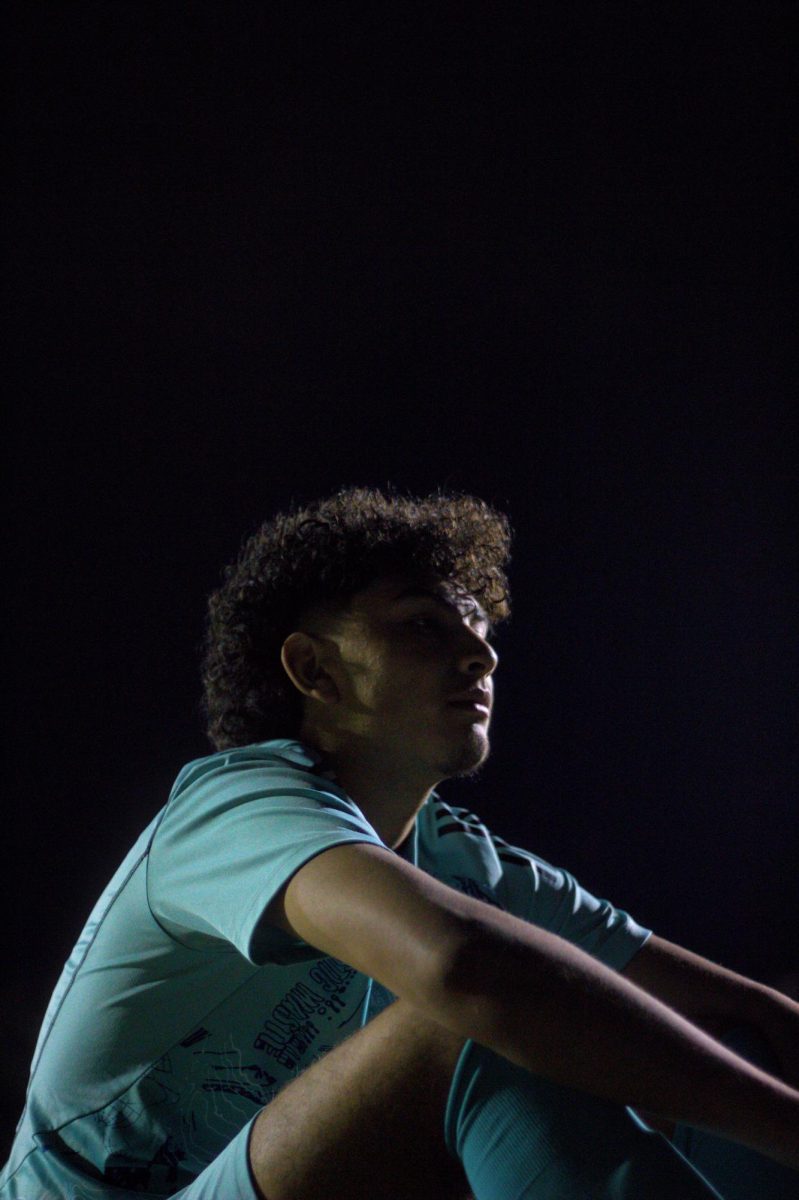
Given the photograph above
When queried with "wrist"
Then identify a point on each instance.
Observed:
(764, 1030)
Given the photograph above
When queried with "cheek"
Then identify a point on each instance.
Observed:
(370, 681)
(410, 694)
(396, 681)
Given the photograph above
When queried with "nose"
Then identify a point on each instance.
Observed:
(478, 658)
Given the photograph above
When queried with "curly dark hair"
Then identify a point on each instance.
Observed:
(324, 552)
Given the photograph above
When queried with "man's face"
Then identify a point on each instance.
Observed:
(407, 648)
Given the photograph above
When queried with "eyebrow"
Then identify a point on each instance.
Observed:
(475, 609)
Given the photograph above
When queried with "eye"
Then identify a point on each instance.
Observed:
(424, 623)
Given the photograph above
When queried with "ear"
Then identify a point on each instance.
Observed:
(302, 656)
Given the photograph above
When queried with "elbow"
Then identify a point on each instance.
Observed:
(496, 961)
(470, 968)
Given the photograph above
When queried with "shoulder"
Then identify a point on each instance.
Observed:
(265, 799)
(282, 772)
(448, 826)
(277, 755)
(457, 847)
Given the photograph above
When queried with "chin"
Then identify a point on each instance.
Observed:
(468, 758)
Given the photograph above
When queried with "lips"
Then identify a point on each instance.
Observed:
(475, 697)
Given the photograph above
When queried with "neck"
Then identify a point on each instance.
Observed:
(385, 793)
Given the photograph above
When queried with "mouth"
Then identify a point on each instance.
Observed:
(472, 706)
(475, 699)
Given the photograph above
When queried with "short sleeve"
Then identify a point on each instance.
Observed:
(236, 828)
(552, 898)
(457, 847)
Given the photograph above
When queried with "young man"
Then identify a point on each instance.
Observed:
(312, 977)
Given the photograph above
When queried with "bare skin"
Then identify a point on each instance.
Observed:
(378, 679)
(367, 1120)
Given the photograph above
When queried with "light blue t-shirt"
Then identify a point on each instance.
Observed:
(180, 1012)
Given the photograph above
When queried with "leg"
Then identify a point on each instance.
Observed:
(367, 1120)
(394, 1111)
(522, 1137)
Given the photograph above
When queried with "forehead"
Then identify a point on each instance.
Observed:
(395, 590)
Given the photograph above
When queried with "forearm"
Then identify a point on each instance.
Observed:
(776, 1016)
(529, 995)
(549, 1007)
(718, 1000)
(710, 995)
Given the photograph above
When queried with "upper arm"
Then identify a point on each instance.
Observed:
(368, 907)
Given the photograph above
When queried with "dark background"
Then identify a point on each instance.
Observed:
(541, 253)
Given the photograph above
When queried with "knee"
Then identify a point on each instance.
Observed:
(373, 1104)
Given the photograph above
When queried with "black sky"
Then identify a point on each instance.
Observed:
(542, 253)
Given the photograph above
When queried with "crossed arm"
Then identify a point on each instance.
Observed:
(715, 998)
(633, 1037)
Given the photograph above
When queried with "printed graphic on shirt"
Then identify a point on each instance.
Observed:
(298, 1019)
(199, 1095)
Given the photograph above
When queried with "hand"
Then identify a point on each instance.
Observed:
(779, 1024)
